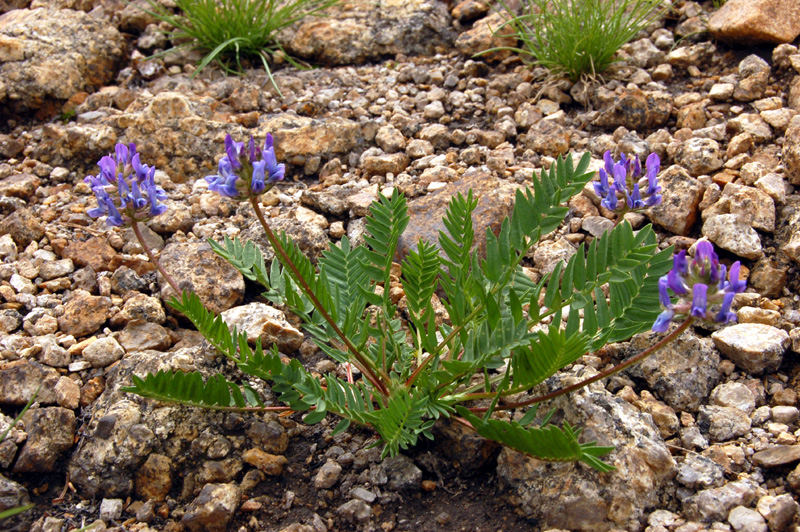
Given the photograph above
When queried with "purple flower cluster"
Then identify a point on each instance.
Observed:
(699, 285)
(125, 188)
(246, 173)
(622, 180)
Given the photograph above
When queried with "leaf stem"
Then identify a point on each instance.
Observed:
(586, 382)
(364, 366)
(153, 259)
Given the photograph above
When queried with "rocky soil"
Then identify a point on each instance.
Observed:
(706, 431)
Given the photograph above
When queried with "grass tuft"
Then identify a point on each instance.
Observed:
(231, 30)
(576, 38)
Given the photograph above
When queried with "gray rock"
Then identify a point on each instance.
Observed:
(266, 324)
(56, 268)
(51, 54)
(699, 156)
(723, 423)
(596, 225)
(680, 199)
(699, 472)
(754, 74)
(103, 352)
(682, 373)
(402, 474)
(778, 511)
(51, 431)
(730, 232)
(785, 414)
(213, 509)
(124, 429)
(754, 347)
(110, 509)
(13, 495)
(746, 520)
(576, 498)
(328, 474)
(365, 495)
(754, 207)
(354, 34)
(549, 253)
(715, 504)
(735, 395)
(311, 238)
(355, 510)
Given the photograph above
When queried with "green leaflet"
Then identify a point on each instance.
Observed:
(545, 354)
(189, 389)
(548, 443)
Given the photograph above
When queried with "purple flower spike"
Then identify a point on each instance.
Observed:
(135, 198)
(246, 173)
(702, 288)
(624, 177)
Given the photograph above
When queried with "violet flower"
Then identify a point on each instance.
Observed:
(245, 173)
(704, 290)
(125, 189)
(622, 179)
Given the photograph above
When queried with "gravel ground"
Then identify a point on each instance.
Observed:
(706, 431)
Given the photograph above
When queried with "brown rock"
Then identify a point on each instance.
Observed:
(548, 138)
(143, 335)
(268, 463)
(20, 379)
(681, 195)
(469, 10)
(154, 478)
(213, 509)
(94, 252)
(51, 431)
(791, 151)
(84, 314)
(66, 52)
(19, 185)
(92, 390)
(777, 456)
(482, 37)
(636, 109)
(195, 267)
(383, 164)
(23, 227)
(751, 21)
(495, 202)
(306, 137)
